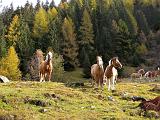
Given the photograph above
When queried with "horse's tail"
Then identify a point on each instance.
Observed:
(138, 98)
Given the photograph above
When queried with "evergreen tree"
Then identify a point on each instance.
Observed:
(9, 65)
(86, 66)
(54, 35)
(28, 13)
(25, 45)
(52, 4)
(142, 22)
(86, 34)
(7, 14)
(69, 45)
(3, 45)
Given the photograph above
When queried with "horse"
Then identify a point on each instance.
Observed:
(149, 74)
(141, 71)
(145, 105)
(97, 72)
(136, 75)
(111, 72)
(46, 68)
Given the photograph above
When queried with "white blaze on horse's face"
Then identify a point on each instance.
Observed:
(50, 54)
(110, 63)
(99, 61)
(117, 61)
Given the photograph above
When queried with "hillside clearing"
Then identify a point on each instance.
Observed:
(56, 101)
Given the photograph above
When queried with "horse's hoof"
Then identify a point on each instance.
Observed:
(113, 91)
(95, 88)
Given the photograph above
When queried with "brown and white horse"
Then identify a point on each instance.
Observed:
(97, 72)
(152, 74)
(111, 72)
(46, 68)
(141, 71)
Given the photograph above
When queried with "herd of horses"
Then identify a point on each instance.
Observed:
(110, 74)
(149, 74)
(101, 76)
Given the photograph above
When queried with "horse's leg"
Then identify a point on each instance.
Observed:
(101, 82)
(113, 81)
(49, 76)
(109, 84)
(97, 82)
(92, 81)
(41, 77)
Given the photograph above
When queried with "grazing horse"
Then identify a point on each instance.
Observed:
(97, 72)
(136, 75)
(149, 74)
(111, 72)
(46, 68)
(141, 71)
(152, 74)
(145, 105)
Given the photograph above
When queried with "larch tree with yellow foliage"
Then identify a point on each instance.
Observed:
(9, 65)
(52, 13)
(13, 31)
(40, 23)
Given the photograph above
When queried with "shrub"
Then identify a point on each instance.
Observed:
(58, 69)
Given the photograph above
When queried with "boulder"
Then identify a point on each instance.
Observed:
(3, 79)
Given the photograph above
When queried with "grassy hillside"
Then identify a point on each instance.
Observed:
(56, 101)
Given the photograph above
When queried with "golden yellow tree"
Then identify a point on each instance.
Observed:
(13, 30)
(52, 13)
(40, 23)
(9, 65)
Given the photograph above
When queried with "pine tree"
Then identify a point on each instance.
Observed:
(25, 45)
(86, 35)
(69, 45)
(28, 13)
(86, 30)
(3, 44)
(13, 31)
(9, 65)
(54, 35)
(142, 22)
(86, 66)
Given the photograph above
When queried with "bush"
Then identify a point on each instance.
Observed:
(58, 69)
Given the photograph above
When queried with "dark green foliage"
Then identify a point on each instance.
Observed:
(86, 66)
(25, 45)
(123, 28)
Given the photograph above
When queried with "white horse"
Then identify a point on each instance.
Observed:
(97, 72)
(111, 72)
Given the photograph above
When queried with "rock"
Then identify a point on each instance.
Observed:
(110, 98)
(37, 102)
(43, 110)
(3, 79)
(93, 107)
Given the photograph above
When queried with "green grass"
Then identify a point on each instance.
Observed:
(79, 103)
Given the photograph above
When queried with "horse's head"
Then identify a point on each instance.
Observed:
(100, 61)
(49, 57)
(115, 62)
